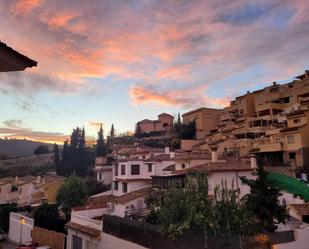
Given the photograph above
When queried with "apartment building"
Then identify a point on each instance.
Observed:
(206, 119)
(270, 123)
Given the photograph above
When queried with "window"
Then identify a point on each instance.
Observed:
(296, 121)
(77, 242)
(165, 125)
(134, 169)
(183, 166)
(290, 139)
(116, 170)
(123, 169)
(100, 176)
(149, 167)
(115, 185)
(124, 187)
(292, 155)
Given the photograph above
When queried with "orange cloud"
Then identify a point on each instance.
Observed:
(23, 133)
(58, 19)
(178, 98)
(23, 7)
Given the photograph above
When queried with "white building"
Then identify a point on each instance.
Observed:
(21, 227)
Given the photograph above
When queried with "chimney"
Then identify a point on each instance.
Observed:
(16, 179)
(274, 83)
(253, 164)
(214, 156)
(172, 154)
(167, 150)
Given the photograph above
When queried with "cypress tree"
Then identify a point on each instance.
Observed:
(57, 159)
(112, 132)
(101, 149)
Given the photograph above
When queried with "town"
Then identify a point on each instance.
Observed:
(156, 158)
(226, 151)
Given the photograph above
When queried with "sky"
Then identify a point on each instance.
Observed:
(122, 61)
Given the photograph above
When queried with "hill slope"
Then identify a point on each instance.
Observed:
(19, 148)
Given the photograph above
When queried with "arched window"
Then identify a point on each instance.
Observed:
(165, 125)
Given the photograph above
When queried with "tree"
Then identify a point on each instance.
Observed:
(73, 193)
(112, 132)
(76, 157)
(187, 131)
(41, 149)
(138, 131)
(179, 211)
(101, 147)
(5, 210)
(57, 159)
(263, 201)
(45, 213)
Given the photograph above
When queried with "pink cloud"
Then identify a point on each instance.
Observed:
(179, 98)
(23, 7)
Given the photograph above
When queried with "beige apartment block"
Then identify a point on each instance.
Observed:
(206, 119)
(271, 123)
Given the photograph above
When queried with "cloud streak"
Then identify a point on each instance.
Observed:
(24, 133)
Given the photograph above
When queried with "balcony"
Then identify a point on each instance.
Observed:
(88, 222)
(269, 147)
(269, 106)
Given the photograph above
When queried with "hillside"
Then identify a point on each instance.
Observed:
(19, 148)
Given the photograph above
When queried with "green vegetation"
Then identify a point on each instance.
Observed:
(72, 194)
(5, 210)
(56, 159)
(76, 157)
(40, 150)
(101, 149)
(263, 201)
(46, 212)
(180, 211)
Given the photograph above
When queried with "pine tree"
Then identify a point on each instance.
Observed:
(101, 148)
(57, 159)
(263, 201)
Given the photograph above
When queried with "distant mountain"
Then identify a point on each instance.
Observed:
(19, 147)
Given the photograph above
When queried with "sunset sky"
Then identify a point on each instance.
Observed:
(123, 61)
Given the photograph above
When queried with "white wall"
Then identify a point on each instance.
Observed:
(106, 241)
(301, 240)
(231, 177)
(18, 232)
(4, 191)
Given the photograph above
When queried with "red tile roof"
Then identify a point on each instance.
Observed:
(218, 167)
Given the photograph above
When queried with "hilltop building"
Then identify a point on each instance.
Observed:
(164, 123)
(206, 119)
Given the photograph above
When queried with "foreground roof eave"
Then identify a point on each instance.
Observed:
(11, 60)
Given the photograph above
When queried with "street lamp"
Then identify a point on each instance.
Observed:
(22, 222)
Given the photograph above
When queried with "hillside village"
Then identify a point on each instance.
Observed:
(227, 178)
(266, 128)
